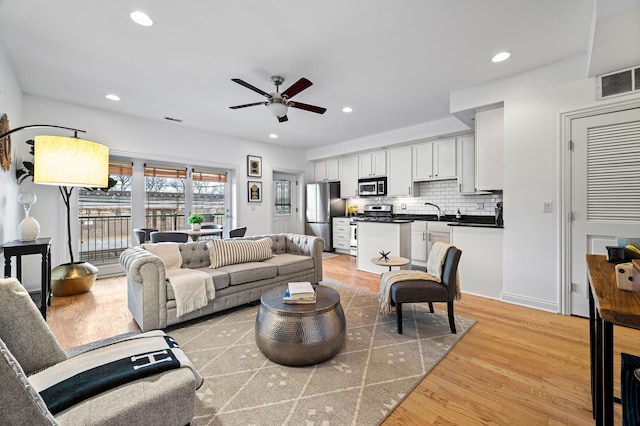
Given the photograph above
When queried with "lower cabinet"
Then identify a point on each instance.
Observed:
(480, 267)
(419, 243)
(341, 235)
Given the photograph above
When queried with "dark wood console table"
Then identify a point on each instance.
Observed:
(608, 306)
(17, 249)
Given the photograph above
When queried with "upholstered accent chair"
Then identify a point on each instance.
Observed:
(424, 290)
(31, 356)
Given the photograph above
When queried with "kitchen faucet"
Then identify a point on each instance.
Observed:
(440, 214)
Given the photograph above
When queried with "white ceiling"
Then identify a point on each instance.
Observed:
(393, 62)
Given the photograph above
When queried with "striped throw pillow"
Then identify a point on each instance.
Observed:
(231, 252)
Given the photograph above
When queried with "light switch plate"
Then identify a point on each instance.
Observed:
(546, 207)
(479, 206)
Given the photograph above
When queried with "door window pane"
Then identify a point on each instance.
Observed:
(165, 197)
(283, 197)
(208, 192)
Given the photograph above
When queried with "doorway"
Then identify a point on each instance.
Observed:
(601, 191)
(285, 203)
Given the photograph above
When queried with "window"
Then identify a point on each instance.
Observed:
(165, 197)
(105, 217)
(282, 197)
(208, 194)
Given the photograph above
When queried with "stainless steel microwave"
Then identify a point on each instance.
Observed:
(372, 187)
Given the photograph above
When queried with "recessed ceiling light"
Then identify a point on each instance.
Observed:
(502, 56)
(141, 18)
(347, 109)
(273, 136)
(112, 97)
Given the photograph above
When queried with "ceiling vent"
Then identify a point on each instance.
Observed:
(618, 83)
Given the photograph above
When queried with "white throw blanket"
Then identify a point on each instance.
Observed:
(435, 262)
(193, 289)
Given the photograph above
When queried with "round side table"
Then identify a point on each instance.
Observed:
(393, 261)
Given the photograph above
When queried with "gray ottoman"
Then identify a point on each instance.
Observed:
(300, 334)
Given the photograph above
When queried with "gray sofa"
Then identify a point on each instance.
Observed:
(151, 299)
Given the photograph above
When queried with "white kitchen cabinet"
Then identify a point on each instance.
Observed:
(341, 234)
(437, 231)
(373, 164)
(466, 164)
(399, 179)
(349, 177)
(419, 243)
(480, 266)
(434, 160)
(327, 170)
(490, 149)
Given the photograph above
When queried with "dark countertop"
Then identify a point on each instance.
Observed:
(476, 221)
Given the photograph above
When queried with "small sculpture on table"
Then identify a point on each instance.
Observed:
(384, 255)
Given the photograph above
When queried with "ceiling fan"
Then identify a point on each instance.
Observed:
(279, 103)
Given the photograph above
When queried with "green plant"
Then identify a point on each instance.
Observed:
(195, 218)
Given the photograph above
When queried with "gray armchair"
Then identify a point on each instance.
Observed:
(29, 352)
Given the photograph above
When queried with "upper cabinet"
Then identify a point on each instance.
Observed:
(327, 170)
(490, 149)
(399, 182)
(466, 164)
(349, 177)
(434, 160)
(373, 164)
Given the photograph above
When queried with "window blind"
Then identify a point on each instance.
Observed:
(153, 170)
(207, 175)
(120, 168)
(613, 172)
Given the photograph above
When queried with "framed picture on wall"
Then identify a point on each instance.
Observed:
(254, 166)
(254, 189)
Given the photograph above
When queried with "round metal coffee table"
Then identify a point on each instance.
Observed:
(301, 334)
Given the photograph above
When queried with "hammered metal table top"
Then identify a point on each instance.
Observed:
(326, 299)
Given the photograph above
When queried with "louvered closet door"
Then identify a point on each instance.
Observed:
(605, 191)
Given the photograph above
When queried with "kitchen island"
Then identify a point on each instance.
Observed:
(374, 237)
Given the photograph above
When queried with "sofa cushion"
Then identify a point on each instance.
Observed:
(168, 252)
(250, 271)
(195, 255)
(290, 263)
(232, 251)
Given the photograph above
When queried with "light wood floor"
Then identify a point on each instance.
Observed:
(516, 366)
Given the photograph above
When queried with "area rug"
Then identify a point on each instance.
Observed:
(375, 370)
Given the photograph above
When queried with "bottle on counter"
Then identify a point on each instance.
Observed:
(458, 215)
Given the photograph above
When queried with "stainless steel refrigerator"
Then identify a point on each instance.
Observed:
(323, 203)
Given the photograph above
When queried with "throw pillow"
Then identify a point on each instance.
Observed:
(231, 252)
(168, 252)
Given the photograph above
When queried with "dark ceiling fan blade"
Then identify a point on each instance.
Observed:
(248, 105)
(296, 88)
(307, 107)
(249, 86)
(283, 119)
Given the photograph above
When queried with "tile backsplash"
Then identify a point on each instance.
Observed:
(444, 193)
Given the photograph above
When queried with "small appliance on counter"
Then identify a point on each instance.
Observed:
(499, 219)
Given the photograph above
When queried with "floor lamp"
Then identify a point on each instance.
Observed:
(69, 162)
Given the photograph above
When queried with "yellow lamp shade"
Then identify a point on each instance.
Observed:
(70, 162)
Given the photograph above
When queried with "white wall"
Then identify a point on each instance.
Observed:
(158, 141)
(11, 104)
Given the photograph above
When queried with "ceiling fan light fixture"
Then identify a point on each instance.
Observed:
(278, 109)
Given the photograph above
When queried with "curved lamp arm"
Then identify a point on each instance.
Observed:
(40, 126)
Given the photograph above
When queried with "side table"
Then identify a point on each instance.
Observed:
(393, 261)
(17, 249)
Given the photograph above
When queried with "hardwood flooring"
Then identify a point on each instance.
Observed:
(516, 366)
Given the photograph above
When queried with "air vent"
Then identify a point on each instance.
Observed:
(618, 83)
(177, 120)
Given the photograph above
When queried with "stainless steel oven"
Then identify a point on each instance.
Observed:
(353, 240)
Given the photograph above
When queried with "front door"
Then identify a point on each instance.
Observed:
(605, 191)
(285, 208)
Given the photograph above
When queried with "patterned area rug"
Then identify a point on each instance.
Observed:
(375, 370)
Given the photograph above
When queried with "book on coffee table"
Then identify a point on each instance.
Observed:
(299, 292)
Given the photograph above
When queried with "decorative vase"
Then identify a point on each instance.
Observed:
(195, 226)
(72, 278)
(28, 229)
